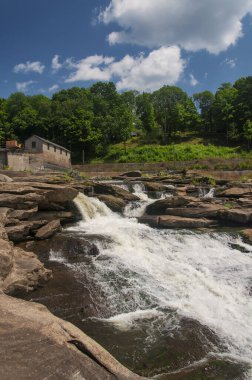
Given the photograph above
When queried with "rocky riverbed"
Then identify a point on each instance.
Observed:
(33, 212)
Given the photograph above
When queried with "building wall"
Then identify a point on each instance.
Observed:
(3, 159)
(39, 145)
(56, 156)
(18, 161)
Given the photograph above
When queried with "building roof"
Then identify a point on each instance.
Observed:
(49, 142)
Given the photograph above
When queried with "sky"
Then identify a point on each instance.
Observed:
(50, 45)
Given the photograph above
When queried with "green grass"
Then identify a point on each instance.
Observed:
(175, 152)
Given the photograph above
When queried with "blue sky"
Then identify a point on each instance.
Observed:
(50, 45)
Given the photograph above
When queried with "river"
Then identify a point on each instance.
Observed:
(170, 304)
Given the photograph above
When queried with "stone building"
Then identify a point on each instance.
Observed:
(37, 154)
(47, 152)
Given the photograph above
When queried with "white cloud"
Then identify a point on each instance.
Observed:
(28, 67)
(142, 73)
(53, 88)
(193, 80)
(56, 65)
(24, 86)
(213, 25)
(230, 62)
(94, 67)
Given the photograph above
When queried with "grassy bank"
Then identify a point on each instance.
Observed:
(175, 152)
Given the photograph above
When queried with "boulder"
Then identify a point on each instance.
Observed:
(151, 220)
(19, 232)
(5, 178)
(179, 222)
(235, 192)
(63, 195)
(114, 203)
(116, 191)
(4, 214)
(133, 173)
(26, 274)
(63, 216)
(247, 234)
(48, 230)
(38, 345)
(159, 207)
(239, 216)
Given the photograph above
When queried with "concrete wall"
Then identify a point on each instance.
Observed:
(56, 156)
(18, 161)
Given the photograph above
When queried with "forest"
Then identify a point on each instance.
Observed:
(94, 119)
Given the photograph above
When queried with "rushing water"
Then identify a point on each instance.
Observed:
(157, 280)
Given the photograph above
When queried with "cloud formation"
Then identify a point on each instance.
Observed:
(56, 65)
(193, 80)
(28, 67)
(142, 73)
(24, 86)
(213, 25)
(53, 88)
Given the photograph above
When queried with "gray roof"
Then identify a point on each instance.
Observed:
(49, 142)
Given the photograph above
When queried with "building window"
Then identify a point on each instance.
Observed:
(60, 151)
(34, 145)
(48, 146)
(55, 149)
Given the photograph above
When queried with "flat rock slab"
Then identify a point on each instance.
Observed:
(48, 230)
(37, 345)
(179, 222)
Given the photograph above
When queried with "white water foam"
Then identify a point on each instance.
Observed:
(199, 276)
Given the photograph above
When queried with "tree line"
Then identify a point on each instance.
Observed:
(93, 118)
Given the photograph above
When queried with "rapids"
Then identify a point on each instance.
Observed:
(154, 279)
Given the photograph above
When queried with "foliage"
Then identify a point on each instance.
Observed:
(95, 120)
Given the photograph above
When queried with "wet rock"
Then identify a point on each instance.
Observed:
(239, 216)
(18, 231)
(180, 222)
(59, 349)
(115, 204)
(210, 211)
(247, 234)
(63, 216)
(133, 173)
(151, 221)
(159, 207)
(116, 191)
(155, 186)
(48, 230)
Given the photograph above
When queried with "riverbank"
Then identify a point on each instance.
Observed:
(32, 205)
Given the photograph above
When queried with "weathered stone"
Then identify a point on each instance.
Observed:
(179, 222)
(115, 204)
(159, 207)
(27, 273)
(63, 195)
(18, 233)
(239, 216)
(155, 186)
(63, 216)
(6, 259)
(116, 191)
(210, 211)
(11, 200)
(58, 349)
(48, 230)
(5, 178)
(23, 214)
(133, 173)
(4, 214)
(235, 192)
(149, 219)
(247, 234)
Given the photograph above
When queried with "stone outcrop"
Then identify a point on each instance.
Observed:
(116, 191)
(168, 221)
(48, 230)
(5, 178)
(38, 345)
(114, 203)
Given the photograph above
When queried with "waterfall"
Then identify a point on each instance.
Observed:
(167, 275)
(90, 207)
